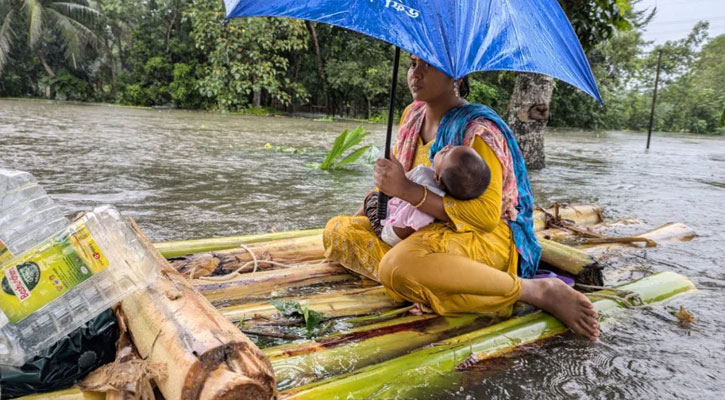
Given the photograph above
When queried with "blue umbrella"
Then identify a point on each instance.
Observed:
(456, 36)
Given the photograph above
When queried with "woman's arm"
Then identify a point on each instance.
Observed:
(390, 179)
(482, 213)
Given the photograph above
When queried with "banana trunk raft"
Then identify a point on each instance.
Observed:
(328, 333)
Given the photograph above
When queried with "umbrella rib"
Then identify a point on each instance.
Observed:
(516, 33)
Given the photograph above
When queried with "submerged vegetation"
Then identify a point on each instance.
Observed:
(336, 158)
(179, 54)
(291, 309)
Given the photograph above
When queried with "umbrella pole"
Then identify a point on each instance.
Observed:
(382, 197)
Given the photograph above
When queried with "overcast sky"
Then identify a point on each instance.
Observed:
(675, 18)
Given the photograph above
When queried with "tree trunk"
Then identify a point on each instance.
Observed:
(528, 114)
(45, 64)
(320, 64)
(203, 354)
(257, 98)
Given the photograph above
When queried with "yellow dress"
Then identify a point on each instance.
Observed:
(466, 265)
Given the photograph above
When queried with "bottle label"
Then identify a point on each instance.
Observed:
(51, 269)
(5, 254)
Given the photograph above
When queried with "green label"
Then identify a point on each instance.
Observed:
(48, 271)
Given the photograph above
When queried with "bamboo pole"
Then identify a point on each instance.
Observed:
(394, 378)
(301, 363)
(331, 305)
(298, 247)
(564, 257)
(264, 282)
(183, 247)
(576, 262)
(172, 325)
(286, 251)
(283, 246)
(67, 394)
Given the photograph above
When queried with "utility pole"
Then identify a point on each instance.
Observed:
(654, 99)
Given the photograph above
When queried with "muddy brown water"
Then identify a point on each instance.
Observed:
(185, 175)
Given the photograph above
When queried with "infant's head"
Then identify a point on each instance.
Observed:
(461, 172)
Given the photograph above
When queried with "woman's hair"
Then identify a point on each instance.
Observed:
(464, 88)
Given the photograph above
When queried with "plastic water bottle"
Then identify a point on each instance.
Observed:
(65, 278)
(27, 214)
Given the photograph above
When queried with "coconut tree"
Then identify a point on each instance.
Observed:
(72, 21)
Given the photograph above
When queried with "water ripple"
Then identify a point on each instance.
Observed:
(190, 174)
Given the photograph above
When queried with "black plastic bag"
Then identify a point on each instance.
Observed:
(66, 362)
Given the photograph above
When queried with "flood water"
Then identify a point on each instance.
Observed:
(185, 175)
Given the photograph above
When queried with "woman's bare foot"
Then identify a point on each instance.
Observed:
(569, 306)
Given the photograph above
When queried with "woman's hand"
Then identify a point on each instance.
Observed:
(390, 177)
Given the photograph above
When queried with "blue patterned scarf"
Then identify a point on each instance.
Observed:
(451, 131)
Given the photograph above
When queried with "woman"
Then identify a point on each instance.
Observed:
(470, 260)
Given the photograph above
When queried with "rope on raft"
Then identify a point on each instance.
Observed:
(255, 262)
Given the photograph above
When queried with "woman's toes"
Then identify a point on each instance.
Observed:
(589, 331)
(585, 302)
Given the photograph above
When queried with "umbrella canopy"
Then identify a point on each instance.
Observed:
(456, 36)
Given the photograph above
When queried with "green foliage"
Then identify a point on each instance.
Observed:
(178, 52)
(259, 111)
(335, 158)
(286, 149)
(183, 87)
(688, 99)
(595, 21)
(247, 59)
(293, 309)
(68, 86)
(72, 23)
(492, 89)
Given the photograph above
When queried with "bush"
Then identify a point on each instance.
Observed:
(134, 95)
(183, 88)
(68, 87)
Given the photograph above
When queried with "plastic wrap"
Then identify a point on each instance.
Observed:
(65, 362)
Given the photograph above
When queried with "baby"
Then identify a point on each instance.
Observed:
(458, 171)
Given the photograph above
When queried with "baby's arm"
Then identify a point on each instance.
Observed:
(403, 232)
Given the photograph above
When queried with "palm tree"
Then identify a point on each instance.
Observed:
(71, 20)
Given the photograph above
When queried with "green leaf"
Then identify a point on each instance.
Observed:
(355, 137)
(288, 308)
(352, 157)
(312, 318)
(336, 150)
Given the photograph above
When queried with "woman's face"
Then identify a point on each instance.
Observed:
(426, 82)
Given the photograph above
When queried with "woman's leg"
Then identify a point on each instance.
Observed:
(352, 242)
(448, 283)
(451, 283)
